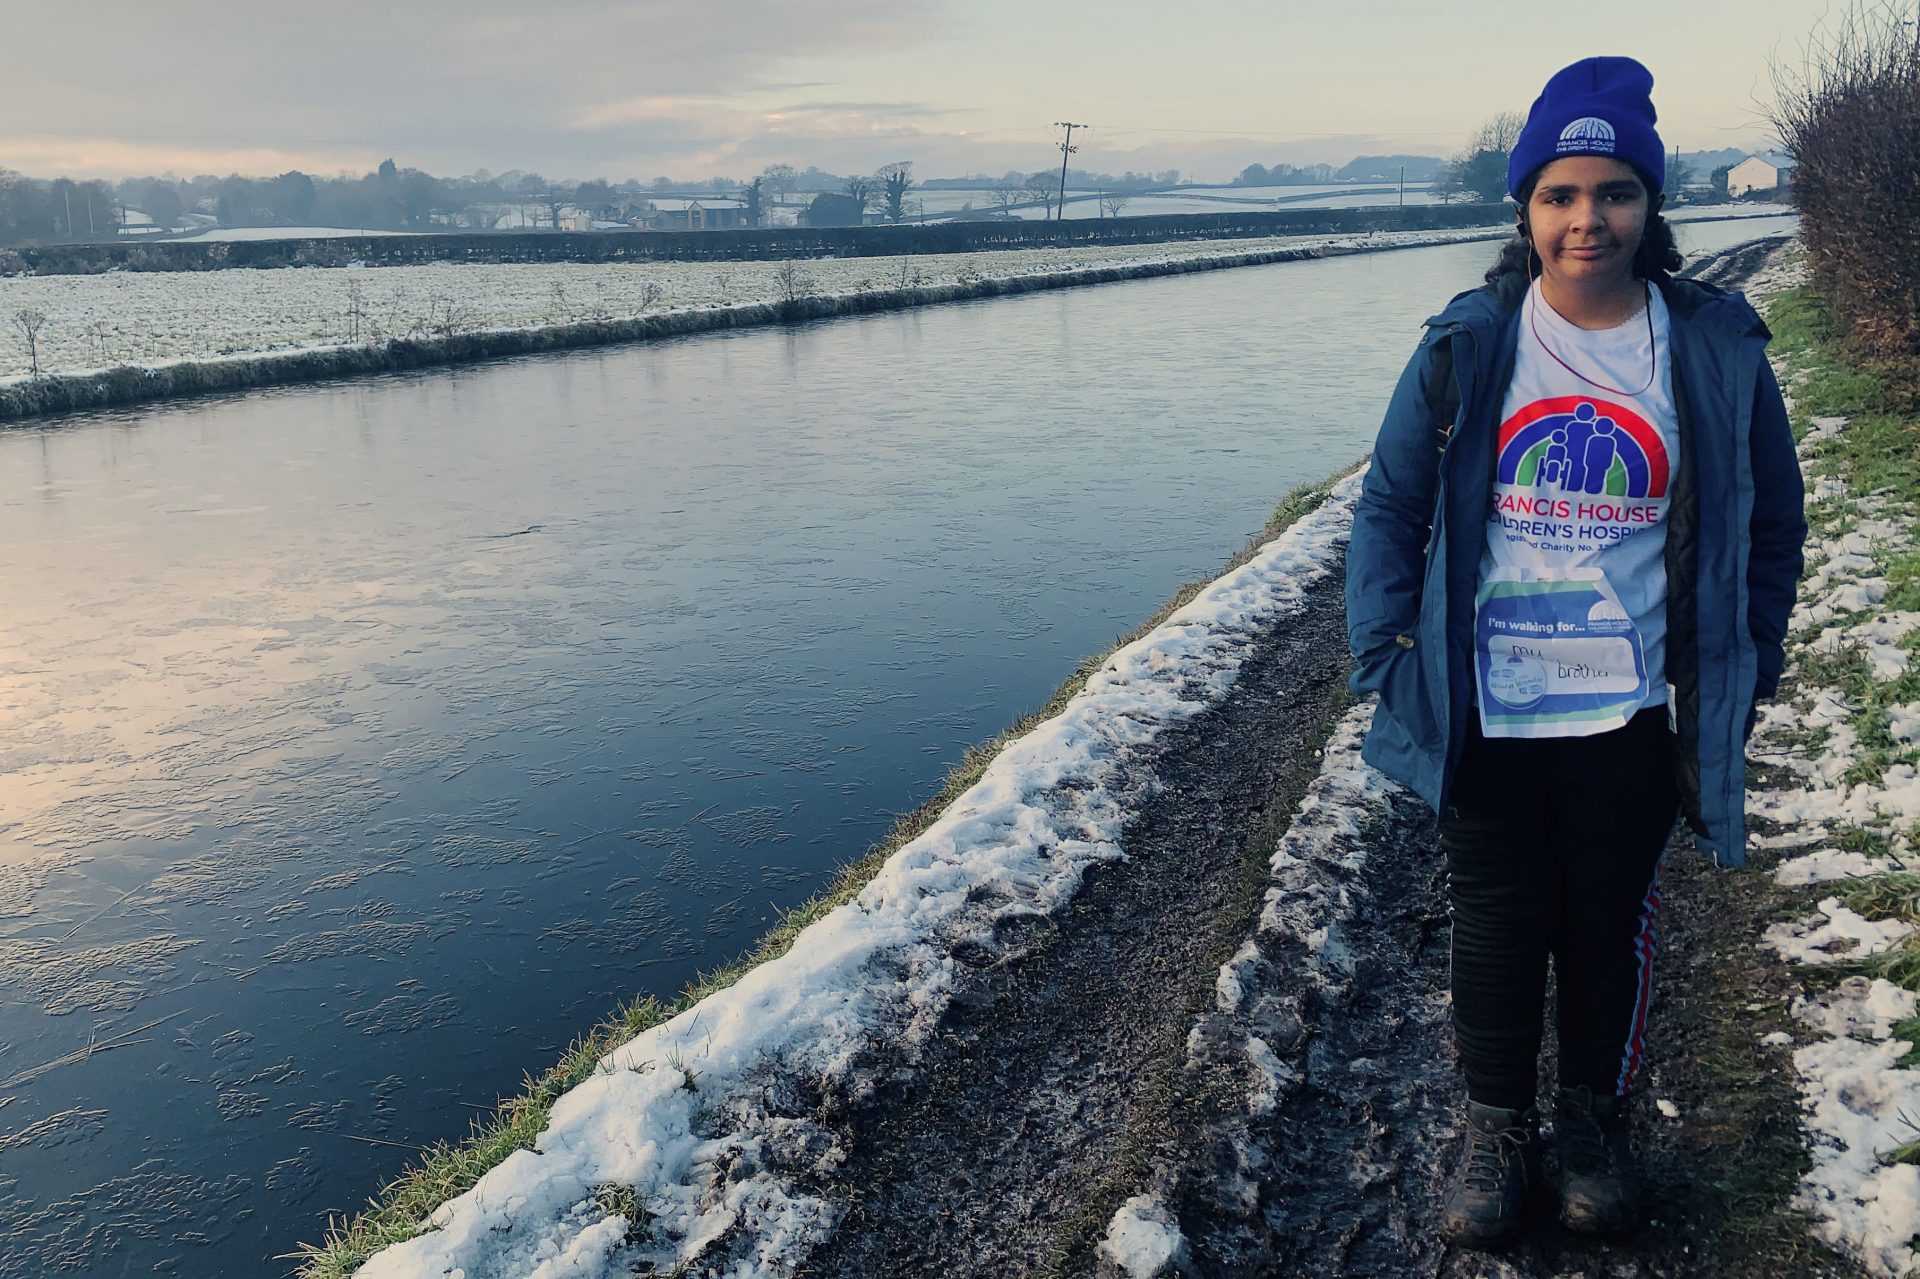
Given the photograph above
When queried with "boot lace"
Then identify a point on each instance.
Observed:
(1488, 1154)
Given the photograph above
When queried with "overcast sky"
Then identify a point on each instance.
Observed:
(696, 88)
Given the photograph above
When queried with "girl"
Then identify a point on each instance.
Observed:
(1572, 564)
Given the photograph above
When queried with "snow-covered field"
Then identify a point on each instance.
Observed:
(1699, 212)
(882, 966)
(232, 234)
(1225, 201)
(139, 318)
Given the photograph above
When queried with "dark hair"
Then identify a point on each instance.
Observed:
(1657, 257)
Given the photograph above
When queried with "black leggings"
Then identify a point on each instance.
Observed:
(1553, 847)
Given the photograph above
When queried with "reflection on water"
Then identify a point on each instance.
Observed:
(364, 743)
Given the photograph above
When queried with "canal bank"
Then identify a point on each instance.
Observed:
(446, 331)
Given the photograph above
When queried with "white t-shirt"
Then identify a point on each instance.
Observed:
(1570, 612)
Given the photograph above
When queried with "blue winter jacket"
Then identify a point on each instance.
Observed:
(1735, 525)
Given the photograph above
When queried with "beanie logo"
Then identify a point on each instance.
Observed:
(1588, 134)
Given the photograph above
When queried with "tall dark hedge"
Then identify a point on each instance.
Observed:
(1850, 113)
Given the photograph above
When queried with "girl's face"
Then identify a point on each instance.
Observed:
(1587, 215)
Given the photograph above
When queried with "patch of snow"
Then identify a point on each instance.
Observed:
(1729, 212)
(1230, 987)
(1825, 864)
(1143, 1239)
(1858, 1106)
(1667, 1108)
(1843, 935)
(1878, 639)
(1860, 1007)
(1821, 428)
(1271, 1076)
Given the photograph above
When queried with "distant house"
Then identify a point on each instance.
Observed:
(1760, 174)
(680, 214)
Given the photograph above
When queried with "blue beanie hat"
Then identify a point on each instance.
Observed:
(1597, 106)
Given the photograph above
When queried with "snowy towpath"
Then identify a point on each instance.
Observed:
(1052, 1077)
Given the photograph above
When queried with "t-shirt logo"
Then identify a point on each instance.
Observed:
(1588, 133)
(1577, 444)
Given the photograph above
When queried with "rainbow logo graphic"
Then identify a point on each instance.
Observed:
(1576, 444)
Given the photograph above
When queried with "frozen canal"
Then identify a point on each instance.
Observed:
(365, 742)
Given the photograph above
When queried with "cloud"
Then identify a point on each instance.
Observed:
(491, 82)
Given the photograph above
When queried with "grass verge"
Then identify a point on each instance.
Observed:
(1877, 457)
(1753, 1151)
(1876, 460)
(1741, 1143)
(448, 1169)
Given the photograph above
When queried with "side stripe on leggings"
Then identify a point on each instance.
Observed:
(1643, 948)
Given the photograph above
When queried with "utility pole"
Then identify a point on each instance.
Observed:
(1403, 186)
(1066, 149)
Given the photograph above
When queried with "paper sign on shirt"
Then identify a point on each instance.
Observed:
(1556, 650)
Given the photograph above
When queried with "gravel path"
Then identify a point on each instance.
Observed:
(1005, 1153)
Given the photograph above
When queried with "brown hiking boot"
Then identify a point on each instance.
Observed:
(1599, 1190)
(1498, 1170)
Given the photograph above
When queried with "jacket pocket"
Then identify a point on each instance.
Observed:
(1373, 666)
(1394, 670)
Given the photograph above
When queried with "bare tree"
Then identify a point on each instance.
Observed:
(1480, 168)
(99, 330)
(792, 281)
(1111, 202)
(780, 179)
(30, 320)
(862, 188)
(356, 310)
(1497, 133)
(894, 180)
(1005, 196)
(446, 317)
(1040, 186)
